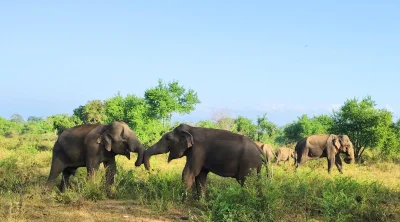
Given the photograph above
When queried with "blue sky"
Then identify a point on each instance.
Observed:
(241, 57)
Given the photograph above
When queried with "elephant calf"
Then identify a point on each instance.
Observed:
(88, 145)
(268, 151)
(284, 154)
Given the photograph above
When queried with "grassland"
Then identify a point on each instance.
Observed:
(365, 192)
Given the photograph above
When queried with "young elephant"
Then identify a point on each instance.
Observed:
(88, 145)
(325, 145)
(284, 154)
(207, 150)
(268, 151)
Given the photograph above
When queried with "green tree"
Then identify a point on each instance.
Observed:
(17, 118)
(34, 119)
(266, 130)
(115, 108)
(305, 126)
(246, 127)
(164, 100)
(367, 126)
(226, 123)
(61, 122)
(137, 115)
(206, 124)
(9, 128)
(92, 112)
(37, 127)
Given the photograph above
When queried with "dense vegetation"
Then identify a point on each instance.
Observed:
(368, 191)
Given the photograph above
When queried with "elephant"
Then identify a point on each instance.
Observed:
(284, 154)
(88, 145)
(325, 145)
(221, 152)
(268, 151)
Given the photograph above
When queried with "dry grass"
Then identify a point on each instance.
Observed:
(34, 205)
(106, 210)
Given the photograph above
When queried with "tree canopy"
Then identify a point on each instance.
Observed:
(305, 126)
(366, 125)
(150, 116)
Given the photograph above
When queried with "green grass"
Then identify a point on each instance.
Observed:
(365, 192)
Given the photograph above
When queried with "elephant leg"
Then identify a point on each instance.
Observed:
(241, 176)
(201, 180)
(301, 158)
(92, 166)
(111, 169)
(338, 163)
(331, 161)
(66, 174)
(57, 166)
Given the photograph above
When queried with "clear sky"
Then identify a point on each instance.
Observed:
(245, 57)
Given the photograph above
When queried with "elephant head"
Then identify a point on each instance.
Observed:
(120, 139)
(347, 148)
(176, 142)
(293, 154)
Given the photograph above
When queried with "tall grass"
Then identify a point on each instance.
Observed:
(306, 194)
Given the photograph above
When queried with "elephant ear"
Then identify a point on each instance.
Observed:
(106, 139)
(189, 138)
(336, 143)
(107, 142)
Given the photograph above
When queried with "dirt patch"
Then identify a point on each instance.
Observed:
(92, 211)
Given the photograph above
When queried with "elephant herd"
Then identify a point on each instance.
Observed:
(221, 152)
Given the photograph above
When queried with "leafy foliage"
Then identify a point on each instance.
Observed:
(306, 126)
(206, 124)
(92, 112)
(63, 121)
(164, 100)
(267, 131)
(367, 126)
(150, 117)
(246, 127)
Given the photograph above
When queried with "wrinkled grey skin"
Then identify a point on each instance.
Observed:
(325, 145)
(284, 154)
(268, 151)
(88, 145)
(207, 150)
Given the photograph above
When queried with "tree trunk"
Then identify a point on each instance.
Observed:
(358, 153)
(361, 153)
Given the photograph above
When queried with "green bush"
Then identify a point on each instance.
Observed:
(301, 195)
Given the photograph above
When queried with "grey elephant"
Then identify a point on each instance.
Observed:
(268, 151)
(88, 145)
(325, 145)
(222, 152)
(284, 154)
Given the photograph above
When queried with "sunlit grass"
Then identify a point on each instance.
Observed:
(364, 192)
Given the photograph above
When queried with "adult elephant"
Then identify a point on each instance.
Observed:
(222, 152)
(268, 151)
(284, 154)
(325, 145)
(88, 145)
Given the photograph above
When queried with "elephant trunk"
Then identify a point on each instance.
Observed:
(140, 151)
(154, 150)
(350, 155)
